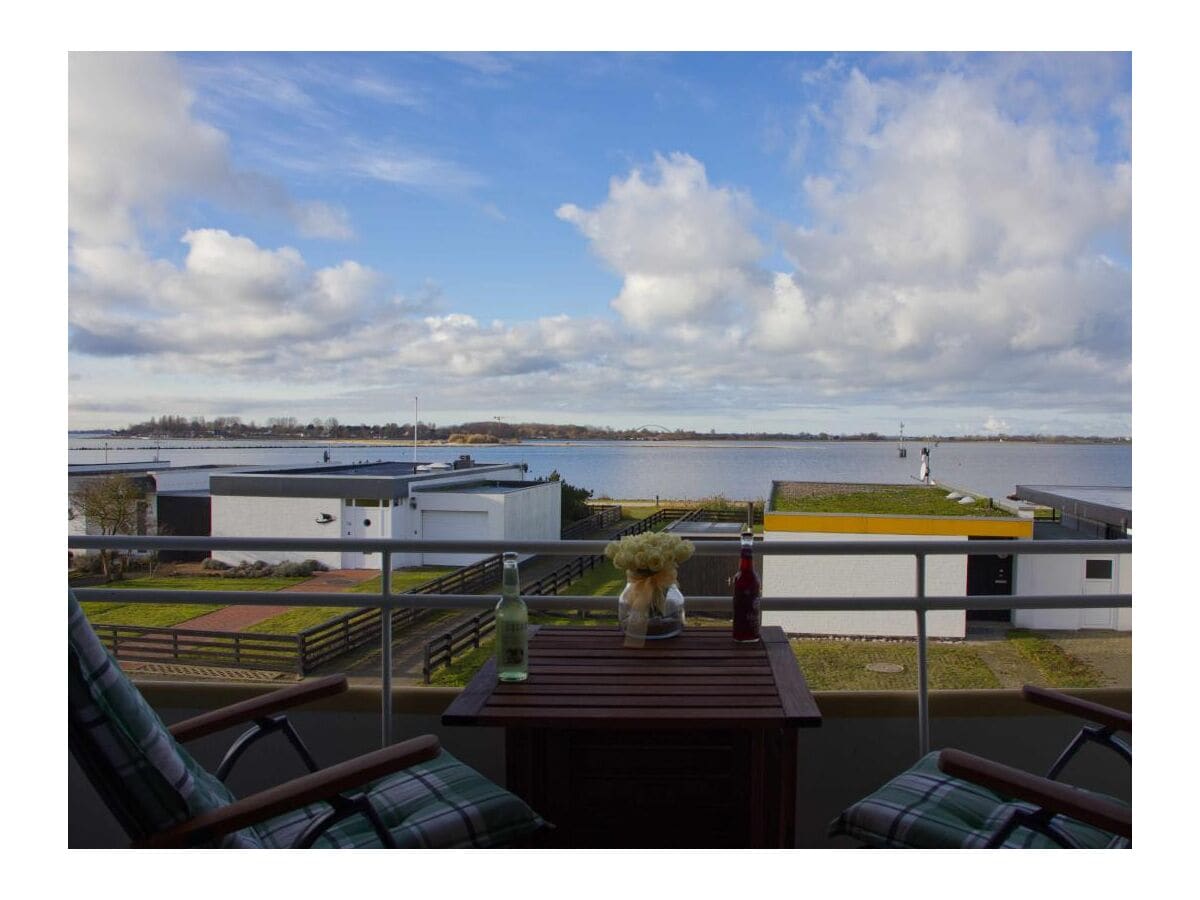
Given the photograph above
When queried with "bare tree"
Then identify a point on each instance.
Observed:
(109, 504)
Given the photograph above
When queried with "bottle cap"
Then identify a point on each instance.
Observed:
(509, 556)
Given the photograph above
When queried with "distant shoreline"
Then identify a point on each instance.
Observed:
(279, 441)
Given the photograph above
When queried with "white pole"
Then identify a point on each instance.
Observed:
(416, 415)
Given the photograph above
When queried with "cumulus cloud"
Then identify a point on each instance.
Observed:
(681, 245)
(135, 146)
(267, 312)
(951, 249)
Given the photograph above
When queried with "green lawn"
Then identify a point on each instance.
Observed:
(841, 666)
(296, 620)
(914, 500)
(606, 580)
(1059, 668)
(154, 615)
(403, 579)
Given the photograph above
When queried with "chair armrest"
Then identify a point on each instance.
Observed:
(257, 707)
(1058, 798)
(297, 793)
(1085, 709)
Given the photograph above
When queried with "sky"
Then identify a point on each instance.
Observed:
(733, 241)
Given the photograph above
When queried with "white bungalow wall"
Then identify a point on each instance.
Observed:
(1065, 574)
(862, 576)
(285, 517)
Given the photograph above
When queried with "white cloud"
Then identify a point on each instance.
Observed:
(136, 146)
(681, 245)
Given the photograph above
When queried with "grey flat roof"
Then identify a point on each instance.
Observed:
(376, 481)
(486, 487)
(710, 528)
(1112, 505)
(381, 469)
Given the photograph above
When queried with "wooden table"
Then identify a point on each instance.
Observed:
(687, 742)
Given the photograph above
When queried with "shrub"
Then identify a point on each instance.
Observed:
(299, 569)
(87, 563)
(215, 564)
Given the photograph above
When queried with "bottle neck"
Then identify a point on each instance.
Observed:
(510, 584)
(747, 560)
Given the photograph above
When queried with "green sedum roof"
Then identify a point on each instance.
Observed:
(876, 499)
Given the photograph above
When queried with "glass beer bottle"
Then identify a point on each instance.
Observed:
(747, 594)
(512, 619)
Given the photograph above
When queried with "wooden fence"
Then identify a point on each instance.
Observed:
(602, 518)
(276, 652)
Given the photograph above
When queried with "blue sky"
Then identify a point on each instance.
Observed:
(745, 241)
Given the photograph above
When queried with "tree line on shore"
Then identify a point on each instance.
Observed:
(290, 428)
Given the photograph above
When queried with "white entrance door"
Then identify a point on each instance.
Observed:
(1100, 618)
(360, 522)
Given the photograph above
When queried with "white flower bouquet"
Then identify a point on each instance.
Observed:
(651, 606)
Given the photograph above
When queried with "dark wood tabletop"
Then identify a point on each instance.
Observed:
(583, 677)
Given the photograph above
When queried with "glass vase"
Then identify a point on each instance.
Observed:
(662, 617)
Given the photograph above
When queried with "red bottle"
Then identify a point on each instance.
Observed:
(747, 595)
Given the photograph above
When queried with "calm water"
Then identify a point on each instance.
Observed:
(736, 469)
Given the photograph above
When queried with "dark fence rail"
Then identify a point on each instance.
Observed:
(301, 653)
(602, 518)
(274, 652)
(442, 649)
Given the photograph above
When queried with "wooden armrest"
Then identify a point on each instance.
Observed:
(1055, 796)
(297, 793)
(1085, 709)
(256, 707)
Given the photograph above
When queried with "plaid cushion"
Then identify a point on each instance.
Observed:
(924, 807)
(132, 752)
(440, 803)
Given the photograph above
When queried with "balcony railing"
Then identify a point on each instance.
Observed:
(388, 602)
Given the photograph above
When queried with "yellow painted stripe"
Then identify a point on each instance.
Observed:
(854, 523)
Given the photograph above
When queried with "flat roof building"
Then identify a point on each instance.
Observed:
(837, 511)
(458, 501)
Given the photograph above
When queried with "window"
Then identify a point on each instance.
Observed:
(364, 501)
(1098, 568)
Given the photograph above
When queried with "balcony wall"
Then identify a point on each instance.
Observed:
(864, 740)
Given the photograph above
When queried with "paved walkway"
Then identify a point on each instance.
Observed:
(239, 618)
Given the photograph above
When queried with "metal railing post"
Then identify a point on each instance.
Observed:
(386, 639)
(922, 662)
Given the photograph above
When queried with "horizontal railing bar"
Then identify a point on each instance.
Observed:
(715, 547)
(573, 601)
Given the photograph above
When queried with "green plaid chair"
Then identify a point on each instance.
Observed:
(954, 799)
(411, 794)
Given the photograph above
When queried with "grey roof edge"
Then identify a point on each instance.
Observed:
(1044, 495)
(331, 486)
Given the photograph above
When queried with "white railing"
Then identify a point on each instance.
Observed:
(388, 602)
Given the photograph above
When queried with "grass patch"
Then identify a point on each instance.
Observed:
(606, 580)
(154, 615)
(206, 583)
(841, 666)
(1057, 666)
(914, 500)
(296, 620)
(403, 579)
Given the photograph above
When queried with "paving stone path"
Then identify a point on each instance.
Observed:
(239, 618)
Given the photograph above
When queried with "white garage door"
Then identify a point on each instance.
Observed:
(453, 525)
